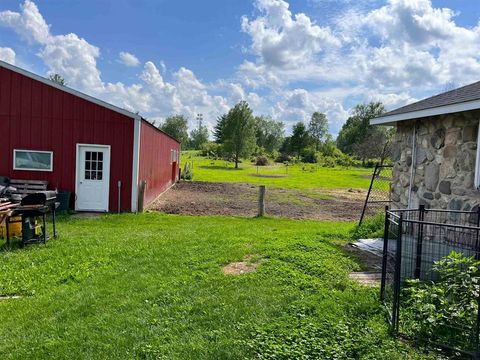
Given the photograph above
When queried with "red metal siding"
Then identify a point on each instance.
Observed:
(35, 116)
(155, 161)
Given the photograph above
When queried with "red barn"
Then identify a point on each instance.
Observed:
(99, 152)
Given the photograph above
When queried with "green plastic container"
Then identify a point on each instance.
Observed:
(63, 197)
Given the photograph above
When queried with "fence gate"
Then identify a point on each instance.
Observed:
(378, 195)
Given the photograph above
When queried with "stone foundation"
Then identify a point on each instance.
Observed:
(446, 148)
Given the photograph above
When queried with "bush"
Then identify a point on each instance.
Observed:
(187, 173)
(309, 156)
(261, 160)
(282, 158)
(372, 227)
(212, 150)
(445, 311)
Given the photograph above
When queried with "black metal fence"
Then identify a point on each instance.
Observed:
(414, 241)
(378, 195)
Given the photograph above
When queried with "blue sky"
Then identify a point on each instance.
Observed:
(286, 58)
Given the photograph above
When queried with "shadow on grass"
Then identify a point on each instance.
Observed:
(218, 167)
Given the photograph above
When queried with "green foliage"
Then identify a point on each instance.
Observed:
(299, 139)
(57, 78)
(177, 127)
(198, 137)
(356, 128)
(261, 160)
(187, 173)
(318, 128)
(238, 132)
(445, 311)
(309, 155)
(269, 133)
(212, 150)
(219, 129)
(372, 227)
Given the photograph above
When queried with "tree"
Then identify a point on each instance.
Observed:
(177, 127)
(299, 139)
(357, 126)
(218, 131)
(57, 78)
(318, 128)
(269, 133)
(376, 145)
(238, 132)
(198, 137)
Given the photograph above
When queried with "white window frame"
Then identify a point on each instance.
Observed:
(50, 169)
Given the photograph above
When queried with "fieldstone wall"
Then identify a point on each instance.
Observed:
(445, 162)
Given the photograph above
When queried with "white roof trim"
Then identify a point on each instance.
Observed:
(67, 89)
(439, 110)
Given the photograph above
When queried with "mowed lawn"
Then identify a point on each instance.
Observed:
(297, 176)
(151, 286)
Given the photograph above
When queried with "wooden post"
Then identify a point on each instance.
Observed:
(141, 195)
(261, 201)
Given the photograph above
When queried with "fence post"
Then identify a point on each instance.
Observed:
(418, 257)
(141, 195)
(368, 195)
(385, 255)
(261, 200)
(397, 277)
(477, 257)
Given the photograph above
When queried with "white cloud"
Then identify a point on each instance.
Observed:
(7, 55)
(128, 59)
(296, 64)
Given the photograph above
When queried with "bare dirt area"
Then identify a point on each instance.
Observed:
(230, 199)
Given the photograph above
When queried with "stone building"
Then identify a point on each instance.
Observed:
(435, 151)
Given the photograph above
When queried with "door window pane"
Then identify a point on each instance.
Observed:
(93, 165)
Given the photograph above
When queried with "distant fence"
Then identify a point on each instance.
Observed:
(413, 241)
(378, 195)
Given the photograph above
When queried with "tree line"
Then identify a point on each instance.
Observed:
(241, 134)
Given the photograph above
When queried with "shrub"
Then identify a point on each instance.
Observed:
(283, 157)
(371, 227)
(187, 173)
(309, 156)
(445, 311)
(261, 160)
(212, 150)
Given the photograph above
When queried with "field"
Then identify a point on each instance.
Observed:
(298, 176)
(151, 286)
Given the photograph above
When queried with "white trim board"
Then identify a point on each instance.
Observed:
(136, 162)
(440, 110)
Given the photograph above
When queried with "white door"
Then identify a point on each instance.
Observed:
(93, 177)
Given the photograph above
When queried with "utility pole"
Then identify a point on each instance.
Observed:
(200, 121)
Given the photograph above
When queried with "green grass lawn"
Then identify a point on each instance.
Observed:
(298, 176)
(151, 286)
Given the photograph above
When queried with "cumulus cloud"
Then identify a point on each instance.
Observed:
(7, 55)
(295, 64)
(76, 60)
(128, 59)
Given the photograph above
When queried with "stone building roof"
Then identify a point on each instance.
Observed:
(457, 100)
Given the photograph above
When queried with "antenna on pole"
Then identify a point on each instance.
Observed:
(200, 120)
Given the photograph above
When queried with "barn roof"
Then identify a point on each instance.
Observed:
(79, 94)
(461, 99)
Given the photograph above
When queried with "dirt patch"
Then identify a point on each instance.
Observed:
(242, 267)
(239, 268)
(366, 278)
(231, 199)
